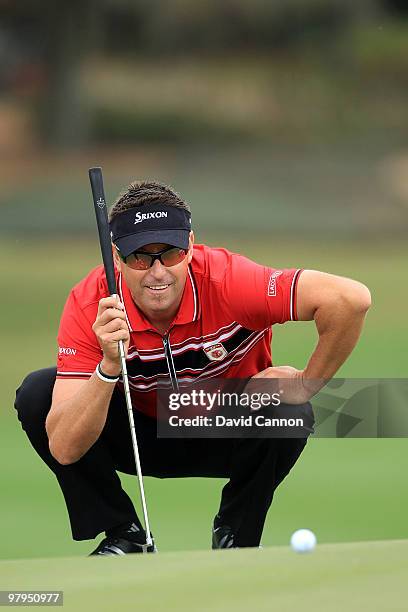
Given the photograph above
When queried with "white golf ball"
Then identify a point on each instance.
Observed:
(303, 540)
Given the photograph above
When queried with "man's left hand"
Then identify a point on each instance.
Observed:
(291, 385)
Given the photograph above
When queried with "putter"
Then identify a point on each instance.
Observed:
(98, 193)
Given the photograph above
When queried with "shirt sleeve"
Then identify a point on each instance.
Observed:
(78, 349)
(257, 296)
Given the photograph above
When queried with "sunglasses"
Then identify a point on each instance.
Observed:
(140, 260)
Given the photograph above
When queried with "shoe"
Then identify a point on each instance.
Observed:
(222, 537)
(123, 541)
(121, 546)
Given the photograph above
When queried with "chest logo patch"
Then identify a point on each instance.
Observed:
(216, 352)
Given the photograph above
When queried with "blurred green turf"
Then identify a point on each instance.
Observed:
(343, 489)
(354, 577)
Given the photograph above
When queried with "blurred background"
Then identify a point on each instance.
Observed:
(285, 125)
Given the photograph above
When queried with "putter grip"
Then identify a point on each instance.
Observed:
(98, 193)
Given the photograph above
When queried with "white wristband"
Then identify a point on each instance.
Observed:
(105, 377)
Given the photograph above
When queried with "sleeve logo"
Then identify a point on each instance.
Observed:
(66, 351)
(272, 283)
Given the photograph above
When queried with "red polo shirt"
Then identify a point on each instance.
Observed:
(222, 329)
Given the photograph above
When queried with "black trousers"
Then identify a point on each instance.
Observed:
(92, 489)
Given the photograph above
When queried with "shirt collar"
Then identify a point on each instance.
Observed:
(188, 311)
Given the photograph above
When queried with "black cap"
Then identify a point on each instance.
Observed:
(143, 225)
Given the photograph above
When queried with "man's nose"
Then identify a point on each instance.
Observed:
(157, 269)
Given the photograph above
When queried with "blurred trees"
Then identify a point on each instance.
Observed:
(213, 26)
(399, 7)
(47, 42)
(44, 43)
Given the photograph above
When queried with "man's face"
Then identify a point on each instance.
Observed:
(157, 291)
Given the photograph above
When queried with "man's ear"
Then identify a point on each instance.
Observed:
(116, 258)
(190, 250)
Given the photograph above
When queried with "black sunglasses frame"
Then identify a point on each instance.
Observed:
(153, 256)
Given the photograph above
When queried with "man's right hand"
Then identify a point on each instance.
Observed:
(110, 326)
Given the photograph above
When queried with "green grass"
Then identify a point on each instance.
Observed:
(354, 577)
(345, 490)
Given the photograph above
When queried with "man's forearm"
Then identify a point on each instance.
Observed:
(77, 422)
(339, 325)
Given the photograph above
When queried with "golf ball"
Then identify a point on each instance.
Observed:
(303, 540)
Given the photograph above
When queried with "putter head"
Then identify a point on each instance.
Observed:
(119, 546)
(149, 547)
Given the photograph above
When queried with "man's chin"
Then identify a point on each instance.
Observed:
(163, 303)
(159, 303)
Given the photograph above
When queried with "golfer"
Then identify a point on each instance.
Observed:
(185, 313)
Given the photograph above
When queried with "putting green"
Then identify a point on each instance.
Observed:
(358, 576)
(334, 489)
